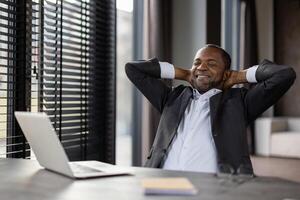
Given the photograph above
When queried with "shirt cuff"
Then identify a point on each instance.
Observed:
(167, 70)
(250, 74)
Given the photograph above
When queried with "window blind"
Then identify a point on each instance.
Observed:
(16, 38)
(77, 74)
(58, 57)
(65, 72)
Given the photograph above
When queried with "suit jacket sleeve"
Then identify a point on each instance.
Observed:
(273, 81)
(145, 75)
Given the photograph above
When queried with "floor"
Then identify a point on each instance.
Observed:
(278, 167)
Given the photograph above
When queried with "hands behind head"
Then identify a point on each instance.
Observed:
(230, 78)
(189, 76)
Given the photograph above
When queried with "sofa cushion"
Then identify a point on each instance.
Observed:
(285, 144)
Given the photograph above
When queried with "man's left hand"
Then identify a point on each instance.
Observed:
(231, 77)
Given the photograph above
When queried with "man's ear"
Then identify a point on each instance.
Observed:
(226, 74)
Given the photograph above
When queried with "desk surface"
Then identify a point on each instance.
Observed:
(25, 179)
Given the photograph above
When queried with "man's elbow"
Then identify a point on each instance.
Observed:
(129, 67)
(293, 74)
(290, 74)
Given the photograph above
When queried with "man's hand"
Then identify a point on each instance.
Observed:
(183, 74)
(230, 78)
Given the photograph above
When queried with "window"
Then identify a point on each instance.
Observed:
(124, 87)
(58, 56)
(13, 53)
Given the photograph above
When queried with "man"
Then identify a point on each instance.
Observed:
(203, 127)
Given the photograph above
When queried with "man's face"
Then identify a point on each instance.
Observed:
(208, 69)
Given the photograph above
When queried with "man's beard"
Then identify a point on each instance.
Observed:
(202, 88)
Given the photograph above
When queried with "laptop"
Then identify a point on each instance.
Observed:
(51, 155)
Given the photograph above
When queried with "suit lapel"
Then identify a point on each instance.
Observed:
(179, 112)
(214, 103)
(187, 94)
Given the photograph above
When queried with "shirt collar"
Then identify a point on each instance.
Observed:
(206, 95)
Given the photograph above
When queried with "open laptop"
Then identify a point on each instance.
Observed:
(49, 152)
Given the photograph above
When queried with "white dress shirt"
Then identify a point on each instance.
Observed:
(193, 147)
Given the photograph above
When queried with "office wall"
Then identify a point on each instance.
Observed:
(287, 45)
(265, 35)
(265, 29)
(188, 29)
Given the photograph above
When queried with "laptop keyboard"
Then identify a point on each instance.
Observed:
(77, 168)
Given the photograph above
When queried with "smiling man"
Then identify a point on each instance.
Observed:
(203, 126)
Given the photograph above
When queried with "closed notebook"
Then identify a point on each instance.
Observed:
(168, 186)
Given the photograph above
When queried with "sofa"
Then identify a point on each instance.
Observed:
(277, 136)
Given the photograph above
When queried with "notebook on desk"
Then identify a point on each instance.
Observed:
(168, 186)
(51, 155)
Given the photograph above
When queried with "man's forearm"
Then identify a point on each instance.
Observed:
(244, 76)
(169, 71)
(182, 74)
(240, 77)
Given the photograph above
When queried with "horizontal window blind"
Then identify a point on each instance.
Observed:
(69, 78)
(103, 81)
(15, 60)
(65, 70)
(8, 73)
(58, 57)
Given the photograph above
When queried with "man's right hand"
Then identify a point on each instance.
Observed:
(183, 74)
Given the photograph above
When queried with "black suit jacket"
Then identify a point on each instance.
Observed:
(231, 111)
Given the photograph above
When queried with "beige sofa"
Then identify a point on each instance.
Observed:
(277, 137)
